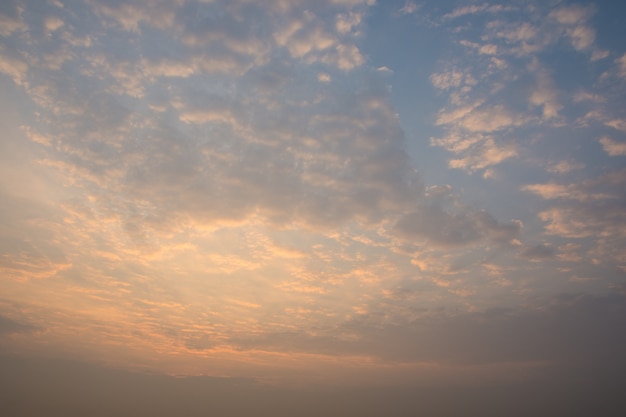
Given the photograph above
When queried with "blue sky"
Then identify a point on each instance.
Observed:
(338, 192)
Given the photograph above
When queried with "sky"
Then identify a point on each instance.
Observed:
(312, 207)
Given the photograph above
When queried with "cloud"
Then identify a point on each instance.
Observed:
(523, 39)
(302, 38)
(129, 15)
(552, 335)
(11, 20)
(617, 124)
(526, 39)
(563, 167)
(345, 57)
(484, 154)
(473, 9)
(445, 229)
(552, 191)
(592, 209)
(477, 151)
(571, 15)
(451, 79)
(582, 37)
(409, 7)
(545, 94)
(301, 186)
(598, 54)
(612, 147)
(351, 163)
(9, 326)
(13, 66)
(486, 119)
(53, 23)
(565, 222)
(347, 22)
(28, 264)
(586, 96)
(226, 187)
(604, 187)
(541, 251)
(484, 113)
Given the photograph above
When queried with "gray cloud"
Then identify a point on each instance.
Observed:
(541, 251)
(266, 139)
(9, 326)
(573, 333)
(440, 227)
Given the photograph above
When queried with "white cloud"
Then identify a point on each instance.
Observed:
(545, 94)
(128, 15)
(13, 66)
(612, 147)
(484, 154)
(563, 167)
(324, 77)
(9, 25)
(468, 10)
(53, 23)
(346, 22)
(345, 57)
(571, 15)
(11, 18)
(521, 39)
(574, 18)
(470, 124)
(522, 32)
(450, 79)
(308, 40)
(483, 49)
(564, 222)
(458, 113)
(598, 54)
(617, 124)
(587, 96)
(409, 7)
(582, 37)
(167, 68)
(553, 191)
(488, 49)
(483, 119)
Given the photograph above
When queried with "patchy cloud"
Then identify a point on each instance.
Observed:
(541, 251)
(612, 147)
(320, 192)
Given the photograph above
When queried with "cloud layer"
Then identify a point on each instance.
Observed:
(232, 188)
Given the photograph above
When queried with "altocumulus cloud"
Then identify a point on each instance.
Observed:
(230, 188)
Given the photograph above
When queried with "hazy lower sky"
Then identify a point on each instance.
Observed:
(332, 207)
